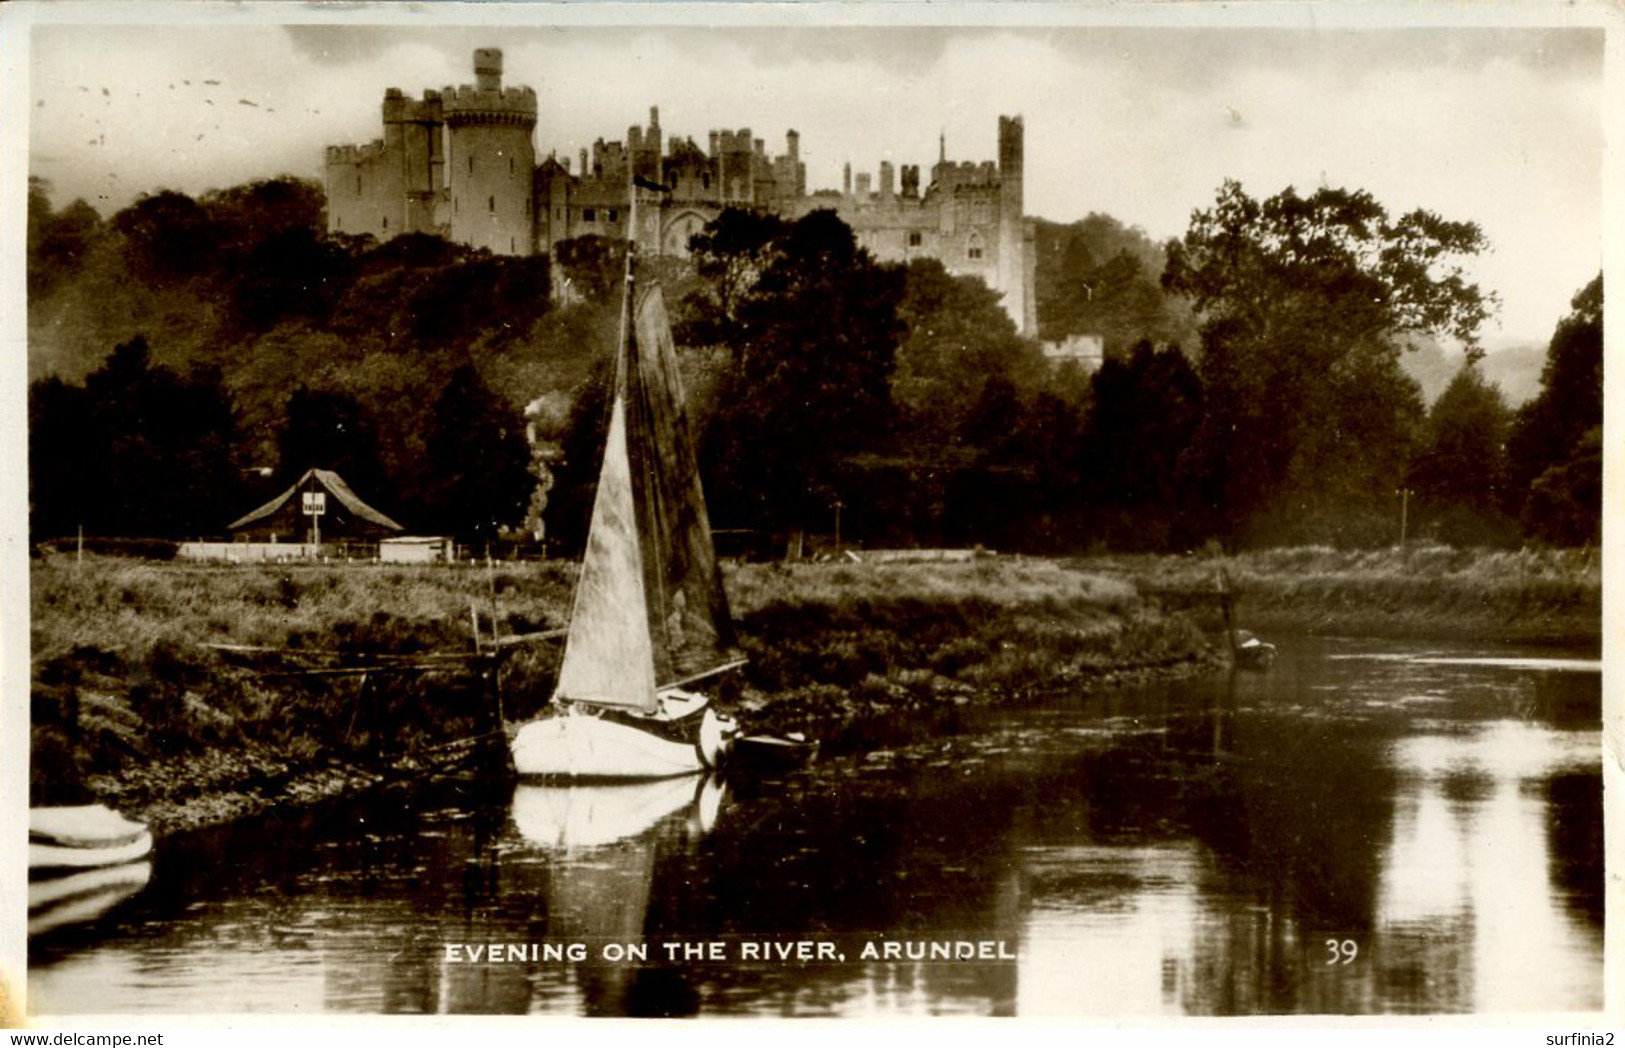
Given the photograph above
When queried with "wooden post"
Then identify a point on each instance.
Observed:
(1226, 601)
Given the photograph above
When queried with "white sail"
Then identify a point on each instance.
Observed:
(608, 659)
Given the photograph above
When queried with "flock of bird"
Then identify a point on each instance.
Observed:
(101, 138)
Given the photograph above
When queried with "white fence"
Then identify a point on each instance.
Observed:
(405, 550)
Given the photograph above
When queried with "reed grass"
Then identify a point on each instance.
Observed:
(122, 657)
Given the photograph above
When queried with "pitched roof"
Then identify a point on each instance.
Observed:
(335, 486)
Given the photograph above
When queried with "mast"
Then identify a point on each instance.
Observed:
(608, 654)
(650, 611)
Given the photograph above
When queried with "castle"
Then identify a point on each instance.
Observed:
(461, 163)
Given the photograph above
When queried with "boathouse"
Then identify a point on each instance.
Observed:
(319, 507)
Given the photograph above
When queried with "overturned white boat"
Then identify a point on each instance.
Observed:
(650, 617)
(81, 837)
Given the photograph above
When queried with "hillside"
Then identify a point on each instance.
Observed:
(1511, 365)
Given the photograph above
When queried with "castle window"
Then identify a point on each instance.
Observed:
(386, 221)
(914, 240)
(705, 181)
(975, 252)
(471, 165)
(358, 183)
(614, 216)
(491, 204)
(511, 248)
(589, 214)
(510, 167)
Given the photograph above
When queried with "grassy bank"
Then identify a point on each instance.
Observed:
(1502, 597)
(170, 690)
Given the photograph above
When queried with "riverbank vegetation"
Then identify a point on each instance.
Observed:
(1532, 596)
(194, 693)
(193, 357)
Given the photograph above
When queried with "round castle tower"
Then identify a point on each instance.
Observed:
(490, 159)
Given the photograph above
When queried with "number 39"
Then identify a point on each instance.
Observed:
(1342, 951)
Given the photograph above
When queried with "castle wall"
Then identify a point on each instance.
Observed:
(462, 163)
(357, 199)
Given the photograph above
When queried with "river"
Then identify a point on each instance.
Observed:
(1367, 828)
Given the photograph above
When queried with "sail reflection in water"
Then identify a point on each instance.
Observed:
(589, 857)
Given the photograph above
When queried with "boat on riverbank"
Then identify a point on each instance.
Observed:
(650, 616)
(84, 836)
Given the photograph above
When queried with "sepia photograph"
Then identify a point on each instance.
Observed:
(1071, 512)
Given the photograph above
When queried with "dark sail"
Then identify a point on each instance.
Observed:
(650, 611)
(689, 624)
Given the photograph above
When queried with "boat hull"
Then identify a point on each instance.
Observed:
(686, 738)
(83, 837)
(59, 857)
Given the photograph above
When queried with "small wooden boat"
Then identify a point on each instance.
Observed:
(1252, 653)
(769, 752)
(82, 837)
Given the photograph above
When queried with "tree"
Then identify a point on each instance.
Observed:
(1460, 475)
(1145, 410)
(810, 385)
(58, 241)
(138, 451)
(169, 236)
(1304, 300)
(729, 255)
(329, 430)
(479, 479)
(1554, 451)
(959, 338)
(293, 272)
(1099, 277)
(592, 266)
(247, 215)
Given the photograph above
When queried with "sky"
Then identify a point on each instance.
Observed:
(1502, 126)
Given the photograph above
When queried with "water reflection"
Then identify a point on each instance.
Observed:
(82, 897)
(1451, 877)
(1181, 849)
(589, 858)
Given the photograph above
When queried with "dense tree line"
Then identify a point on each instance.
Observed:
(248, 345)
(1251, 390)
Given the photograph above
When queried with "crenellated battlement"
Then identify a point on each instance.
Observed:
(468, 104)
(398, 109)
(356, 154)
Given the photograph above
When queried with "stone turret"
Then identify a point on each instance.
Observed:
(490, 158)
(1015, 271)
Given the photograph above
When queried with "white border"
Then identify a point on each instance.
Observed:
(16, 20)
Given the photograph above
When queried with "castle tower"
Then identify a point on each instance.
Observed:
(412, 136)
(490, 159)
(391, 185)
(1015, 275)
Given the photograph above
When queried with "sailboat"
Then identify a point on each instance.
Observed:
(650, 618)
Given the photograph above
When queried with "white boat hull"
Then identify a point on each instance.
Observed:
(576, 743)
(83, 837)
(58, 857)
